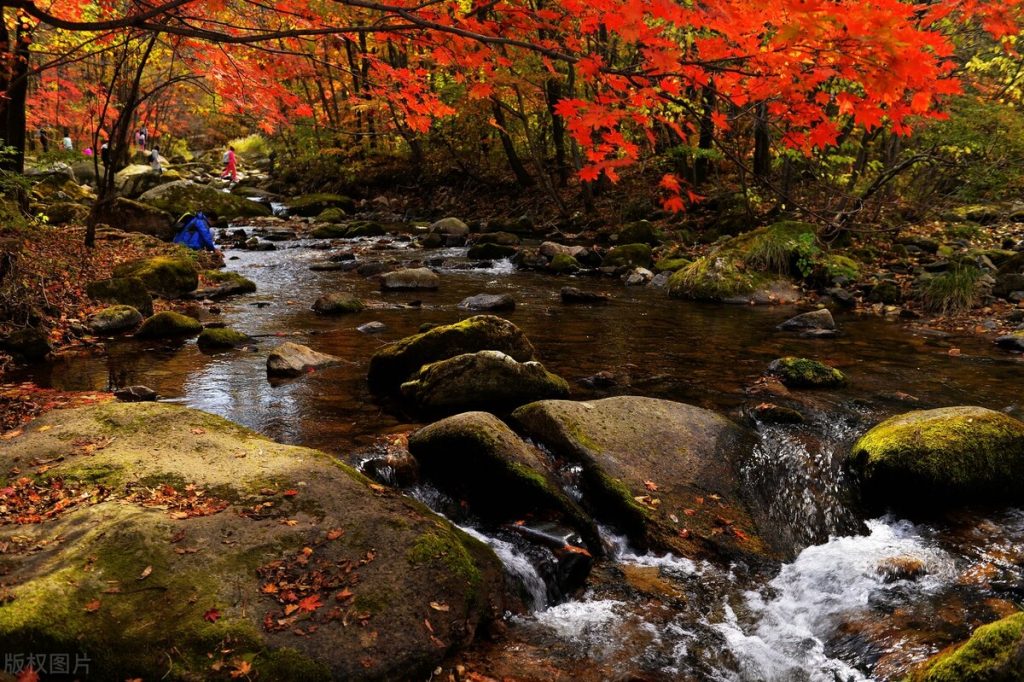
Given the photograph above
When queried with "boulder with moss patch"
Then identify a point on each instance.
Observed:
(30, 343)
(115, 319)
(168, 276)
(331, 215)
(410, 278)
(224, 283)
(183, 196)
(644, 459)
(804, 373)
(312, 205)
(628, 255)
(474, 456)
(563, 263)
(338, 304)
(487, 379)
(450, 227)
(215, 583)
(713, 278)
(124, 291)
(218, 338)
(395, 363)
(931, 459)
(994, 653)
(169, 325)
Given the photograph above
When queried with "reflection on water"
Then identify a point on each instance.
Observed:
(827, 615)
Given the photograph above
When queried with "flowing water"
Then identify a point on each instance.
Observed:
(830, 614)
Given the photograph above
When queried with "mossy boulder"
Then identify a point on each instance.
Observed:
(66, 212)
(671, 264)
(396, 362)
(714, 277)
(312, 205)
(118, 318)
(331, 215)
(628, 255)
(329, 231)
(639, 232)
(338, 304)
(217, 338)
(931, 459)
(644, 460)
(224, 283)
(169, 325)
(365, 228)
(147, 591)
(487, 379)
(563, 263)
(994, 653)
(475, 457)
(502, 238)
(135, 216)
(137, 178)
(168, 276)
(124, 291)
(183, 196)
(452, 227)
(31, 343)
(410, 278)
(488, 251)
(805, 373)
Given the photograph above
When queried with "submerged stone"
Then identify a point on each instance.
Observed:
(804, 373)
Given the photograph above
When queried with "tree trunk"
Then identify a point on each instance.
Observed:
(17, 93)
(518, 169)
(702, 166)
(762, 144)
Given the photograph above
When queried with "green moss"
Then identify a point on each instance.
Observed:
(639, 232)
(124, 291)
(773, 248)
(167, 276)
(169, 324)
(243, 284)
(628, 255)
(338, 304)
(991, 653)
(221, 337)
(441, 545)
(563, 262)
(671, 264)
(714, 277)
(364, 228)
(331, 215)
(311, 205)
(805, 373)
(289, 664)
(836, 265)
(949, 454)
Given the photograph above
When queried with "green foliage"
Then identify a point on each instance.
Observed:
(955, 291)
(251, 147)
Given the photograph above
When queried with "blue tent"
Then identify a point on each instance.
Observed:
(195, 234)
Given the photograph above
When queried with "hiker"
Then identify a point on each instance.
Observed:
(68, 144)
(230, 165)
(105, 155)
(44, 141)
(143, 136)
(154, 160)
(195, 233)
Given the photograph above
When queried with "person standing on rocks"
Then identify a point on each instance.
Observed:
(230, 165)
(154, 160)
(68, 144)
(44, 140)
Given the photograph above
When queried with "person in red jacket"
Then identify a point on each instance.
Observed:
(230, 165)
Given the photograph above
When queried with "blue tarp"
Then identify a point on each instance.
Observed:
(195, 234)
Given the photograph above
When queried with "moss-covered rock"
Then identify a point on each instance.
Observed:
(329, 231)
(410, 278)
(628, 255)
(331, 215)
(239, 284)
(30, 343)
(183, 196)
(118, 318)
(714, 277)
(157, 593)
(503, 238)
(994, 653)
(396, 362)
(137, 178)
(168, 276)
(338, 304)
(65, 213)
(124, 291)
(626, 443)
(930, 459)
(488, 251)
(639, 232)
(671, 264)
(169, 325)
(563, 263)
(474, 456)
(365, 228)
(215, 338)
(311, 205)
(487, 379)
(449, 226)
(805, 373)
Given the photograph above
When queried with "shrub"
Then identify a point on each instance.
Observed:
(952, 292)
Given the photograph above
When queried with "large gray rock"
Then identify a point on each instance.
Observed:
(495, 302)
(450, 227)
(135, 179)
(410, 278)
(646, 460)
(134, 216)
(118, 318)
(395, 363)
(292, 359)
(183, 196)
(814, 320)
(487, 379)
(189, 542)
(474, 456)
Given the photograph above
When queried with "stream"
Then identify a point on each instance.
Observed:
(833, 613)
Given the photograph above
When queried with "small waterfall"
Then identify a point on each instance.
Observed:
(518, 566)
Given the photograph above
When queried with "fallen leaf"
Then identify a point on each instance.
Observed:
(310, 603)
(289, 609)
(334, 533)
(211, 616)
(242, 668)
(346, 594)
(145, 573)
(198, 431)
(290, 493)
(651, 485)
(270, 588)
(439, 607)
(93, 606)
(954, 352)
(430, 628)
